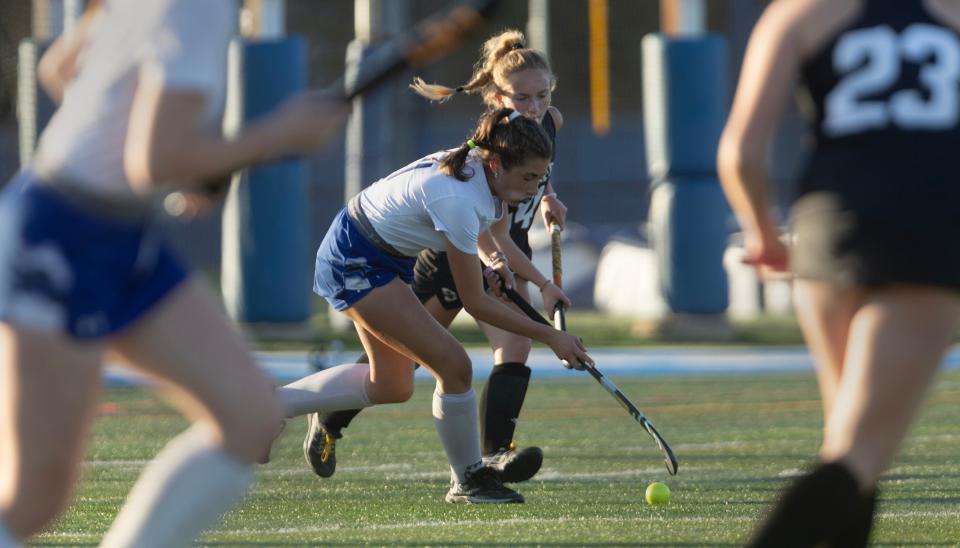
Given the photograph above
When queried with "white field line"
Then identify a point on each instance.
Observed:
(472, 522)
(511, 521)
(550, 475)
(117, 463)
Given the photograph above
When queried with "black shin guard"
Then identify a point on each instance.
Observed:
(338, 420)
(815, 509)
(857, 531)
(500, 404)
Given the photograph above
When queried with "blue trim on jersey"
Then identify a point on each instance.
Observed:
(69, 270)
(349, 266)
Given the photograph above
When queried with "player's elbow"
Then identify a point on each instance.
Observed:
(473, 301)
(50, 75)
(140, 166)
(737, 156)
(149, 161)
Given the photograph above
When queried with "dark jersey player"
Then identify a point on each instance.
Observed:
(874, 228)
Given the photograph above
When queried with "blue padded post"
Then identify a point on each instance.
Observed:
(685, 94)
(688, 230)
(685, 106)
(34, 106)
(266, 263)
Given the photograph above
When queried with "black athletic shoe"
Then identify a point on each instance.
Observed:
(482, 487)
(320, 446)
(513, 465)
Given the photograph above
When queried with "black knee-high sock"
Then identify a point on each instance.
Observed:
(815, 509)
(338, 420)
(857, 531)
(500, 404)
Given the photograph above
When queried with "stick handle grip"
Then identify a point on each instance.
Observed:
(555, 254)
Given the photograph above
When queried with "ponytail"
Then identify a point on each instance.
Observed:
(501, 56)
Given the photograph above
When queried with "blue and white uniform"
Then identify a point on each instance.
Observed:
(432, 275)
(378, 236)
(79, 249)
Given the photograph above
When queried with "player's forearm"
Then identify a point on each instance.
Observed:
(491, 311)
(743, 178)
(193, 158)
(520, 264)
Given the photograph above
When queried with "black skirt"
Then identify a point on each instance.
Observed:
(836, 244)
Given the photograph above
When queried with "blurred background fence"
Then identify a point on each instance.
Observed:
(602, 178)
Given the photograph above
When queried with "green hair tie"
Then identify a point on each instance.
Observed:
(471, 144)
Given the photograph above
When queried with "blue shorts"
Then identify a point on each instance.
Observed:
(349, 266)
(64, 268)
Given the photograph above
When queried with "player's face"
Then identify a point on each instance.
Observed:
(520, 183)
(527, 92)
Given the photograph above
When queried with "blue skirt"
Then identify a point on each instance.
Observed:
(349, 266)
(67, 269)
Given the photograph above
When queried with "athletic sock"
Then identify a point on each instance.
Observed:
(335, 389)
(455, 417)
(857, 531)
(500, 404)
(7, 540)
(181, 492)
(815, 508)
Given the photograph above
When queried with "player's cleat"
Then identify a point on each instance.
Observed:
(320, 446)
(482, 487)
(513, 465)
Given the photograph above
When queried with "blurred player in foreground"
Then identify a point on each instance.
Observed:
(83, 270)
(877, 270)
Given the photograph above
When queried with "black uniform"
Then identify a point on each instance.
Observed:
(432, 276)
(880, 200)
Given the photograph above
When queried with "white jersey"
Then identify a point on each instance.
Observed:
(174, 44)
(415, 207)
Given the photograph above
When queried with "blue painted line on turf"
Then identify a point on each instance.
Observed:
(285, 367)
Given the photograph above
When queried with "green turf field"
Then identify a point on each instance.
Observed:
(738, 440)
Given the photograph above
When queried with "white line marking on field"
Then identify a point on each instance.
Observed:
(132, 463)
(551, 475)
(713, 445)
(791, 473)
(467, 523)
(909, 515)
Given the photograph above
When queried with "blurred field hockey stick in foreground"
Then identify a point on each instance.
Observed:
(427, 42)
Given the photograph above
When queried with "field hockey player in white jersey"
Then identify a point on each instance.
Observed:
(508, 75)
(449, 201)
(84, 271)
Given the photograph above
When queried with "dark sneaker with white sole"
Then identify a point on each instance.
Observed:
(513, 465)
(320, 446)
(482, 487)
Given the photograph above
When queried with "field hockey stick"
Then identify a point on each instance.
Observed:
(559, 314)
(669, 459)
(560, 322)
(429, 40)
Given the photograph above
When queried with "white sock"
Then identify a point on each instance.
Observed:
(181, 492)
(335, 389)
(7, 540)
(455, 417)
